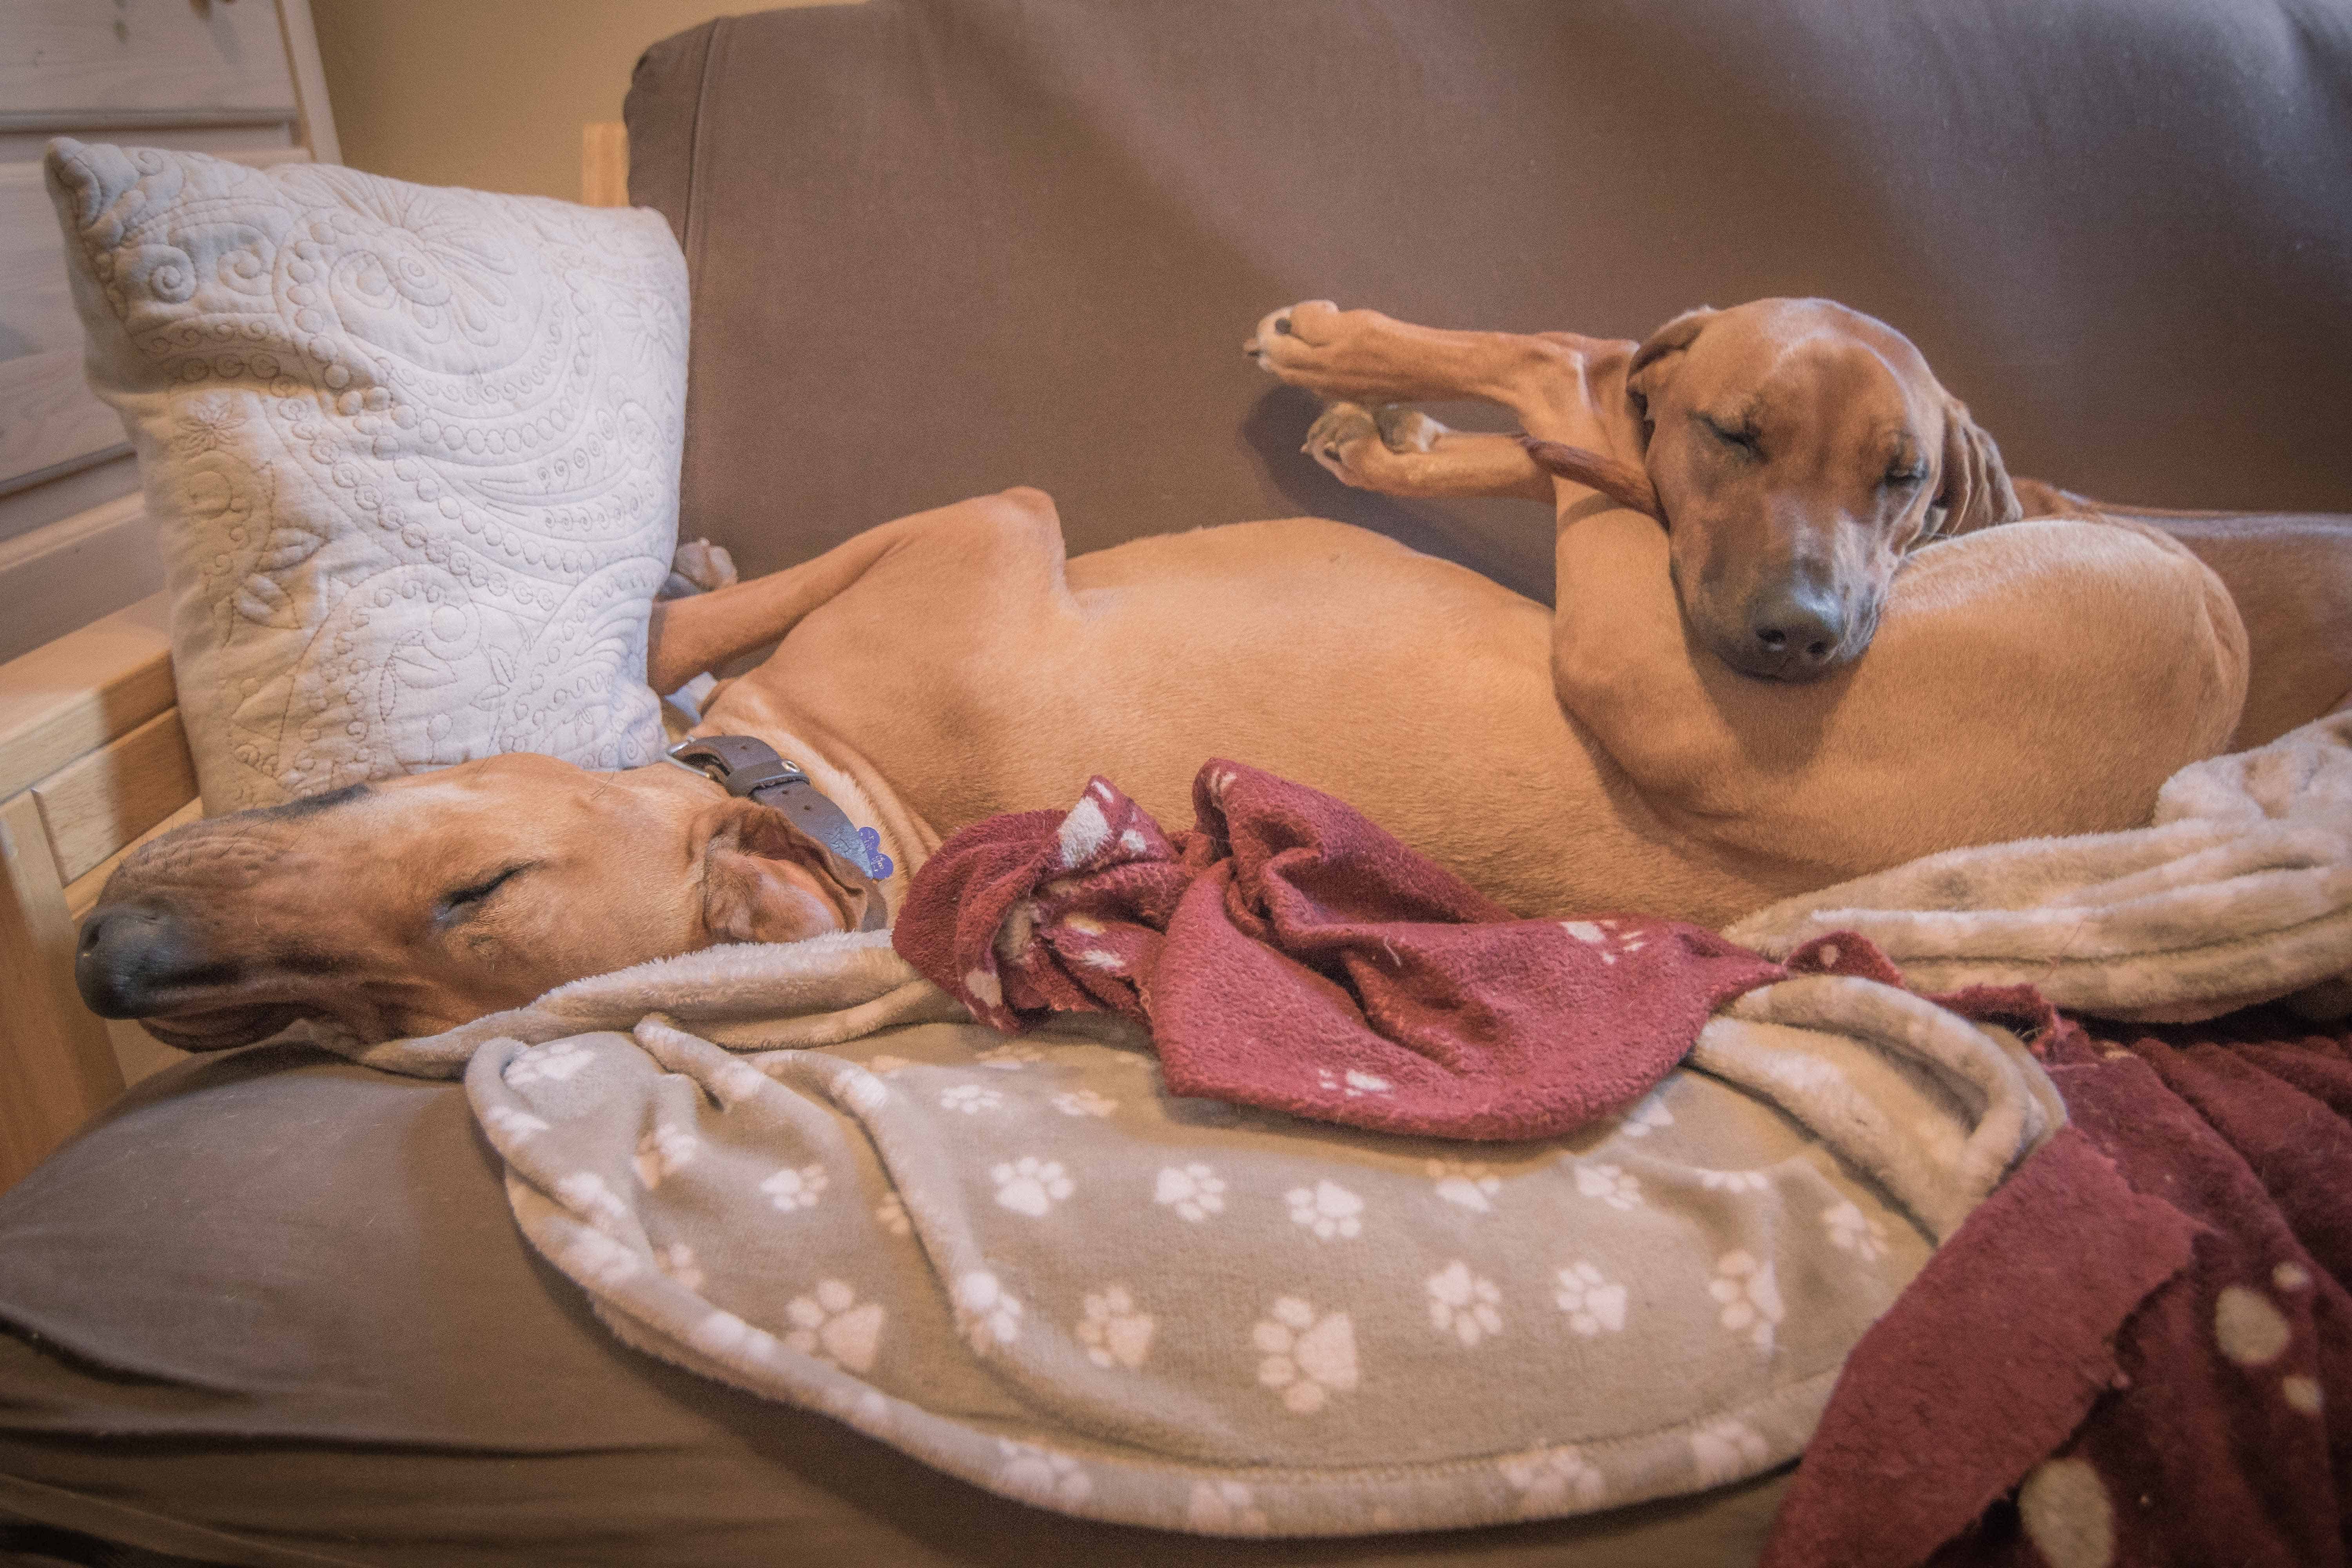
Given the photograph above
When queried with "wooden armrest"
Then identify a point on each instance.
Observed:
(92, 760)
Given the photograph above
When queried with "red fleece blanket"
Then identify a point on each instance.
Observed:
(2138, 1351)
(1289, 954)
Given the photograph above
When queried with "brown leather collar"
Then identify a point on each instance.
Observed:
(751, 770)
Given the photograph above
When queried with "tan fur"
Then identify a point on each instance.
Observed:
(2289, 576)
(946, 667)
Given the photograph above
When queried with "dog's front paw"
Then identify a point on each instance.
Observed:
(1335, 352)
(1276, 346)
(1352, 440)
(1343, 428)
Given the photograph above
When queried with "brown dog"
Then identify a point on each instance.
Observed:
(946, 667)
(1799, 451)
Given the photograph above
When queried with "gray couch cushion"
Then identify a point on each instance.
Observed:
(275, 1310)
(940, 246)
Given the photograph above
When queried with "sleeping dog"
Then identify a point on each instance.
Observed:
(1618, 753)
(1798, 452)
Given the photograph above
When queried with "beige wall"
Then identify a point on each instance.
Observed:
(488, 93)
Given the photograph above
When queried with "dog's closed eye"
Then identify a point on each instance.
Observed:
(1903, 477)
(460, 902)
(1740, 436)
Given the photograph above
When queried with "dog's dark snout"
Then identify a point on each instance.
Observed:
(1798, 634)
(128, 956)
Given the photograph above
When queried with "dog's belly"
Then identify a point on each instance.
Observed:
(1416, 690)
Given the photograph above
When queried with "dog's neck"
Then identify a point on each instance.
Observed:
(904, 839)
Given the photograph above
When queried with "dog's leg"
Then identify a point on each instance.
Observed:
(2291, 576)
(1966, 719)
(686, 636)
(1400, 451)
(1565, 390)
(1363, 356)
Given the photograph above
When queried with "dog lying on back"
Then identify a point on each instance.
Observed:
(1798, 451)
(1614, 753)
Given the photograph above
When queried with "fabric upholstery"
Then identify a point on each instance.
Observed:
(1025, 240)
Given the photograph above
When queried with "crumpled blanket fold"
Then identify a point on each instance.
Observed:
(2139, 1350)
(2239, 891)
(1290, 954)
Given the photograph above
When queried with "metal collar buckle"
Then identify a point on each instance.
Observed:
(738, 763)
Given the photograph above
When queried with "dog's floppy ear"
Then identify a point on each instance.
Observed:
(748, 895)
(1974, 490)
(1654, 362)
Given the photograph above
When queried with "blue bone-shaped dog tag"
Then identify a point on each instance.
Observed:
(878, 866)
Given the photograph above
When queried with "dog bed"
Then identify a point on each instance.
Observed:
(1025, 1264)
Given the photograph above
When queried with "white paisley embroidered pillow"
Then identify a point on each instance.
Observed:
(413, 455)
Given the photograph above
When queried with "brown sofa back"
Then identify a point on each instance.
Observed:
(940, 246)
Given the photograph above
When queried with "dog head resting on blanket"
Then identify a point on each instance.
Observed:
(413, 915)
(1796, 449)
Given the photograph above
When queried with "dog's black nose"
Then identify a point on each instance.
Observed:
(1798, 634)
(129, 954)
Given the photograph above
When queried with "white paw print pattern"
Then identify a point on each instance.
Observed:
(518, 1125)
(1750, 1297)
(585, 1195)
(1466, 1305)
(830, 1321)
(1646, 1118)
(1612, 1185)
(859, 1092)
(736, 1082)
(1194, 1191)
(1724, 1451)
(1851, 1230)
(1115, 1332)
(1594, 1303)
(1552, 1481)
(677, 1261)
(726, 1337)
(1467, 1183)
(1044, 1476)
(1733, 1181)
(788, 1189)
(1085, 830)
(982, 986)
(592, 1255)
(1030, 1185)
(662, 1151)
(554, 1062)
(1605, 936)
(1305, 1356)
(1327, 1209)
(1085, 1102)
(971, 1099)
(987, 1314)
(1010, 1058)
(890, 1213)
(1225, 1508)
(1351, 1083)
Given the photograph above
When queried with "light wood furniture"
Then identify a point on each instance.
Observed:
(605, 163)
(91, 755)
(92, 762)
(238, 79)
